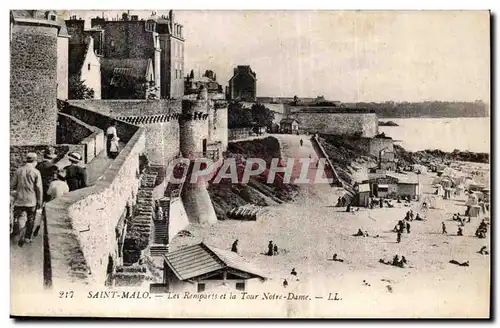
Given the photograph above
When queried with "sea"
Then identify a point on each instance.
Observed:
(462, 133)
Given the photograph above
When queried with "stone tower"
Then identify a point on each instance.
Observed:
(33, 77)
(193, 143)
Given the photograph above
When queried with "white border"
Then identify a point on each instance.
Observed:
(186, 4)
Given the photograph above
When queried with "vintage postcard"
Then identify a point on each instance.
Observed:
(250, 164)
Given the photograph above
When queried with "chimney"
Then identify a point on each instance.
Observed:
(171, 16)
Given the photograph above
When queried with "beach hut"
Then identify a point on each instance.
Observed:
(289, 125)
(362, 196)
(198, 268)
(473, 211)
(432, 202)
(486, 195)
(381, 190)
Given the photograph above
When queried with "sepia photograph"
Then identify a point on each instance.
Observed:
(169, 163)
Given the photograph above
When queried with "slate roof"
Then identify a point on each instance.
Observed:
(288, 121)
(196, 260)
(120, 69)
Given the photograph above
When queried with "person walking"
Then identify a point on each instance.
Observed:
(47, 169)
(301, 142)
(444, 228)
(58, 186)
(76, 176)
(27, 185)
(407, 227)
(399, 236)
(234, 247)
(110, 134)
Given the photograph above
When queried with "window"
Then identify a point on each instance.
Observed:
(201, 288)
(240, 286)
(88, 67)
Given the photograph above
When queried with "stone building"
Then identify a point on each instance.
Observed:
(34, 75)
(62, 60)
(193, 84)
(243, 85)
(158, 38)
(85, 51)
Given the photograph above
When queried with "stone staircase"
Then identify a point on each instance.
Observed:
(142, 218)
(161, 232)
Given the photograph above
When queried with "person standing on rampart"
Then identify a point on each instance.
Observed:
(47, 169)
(76, 176)
(27, 185)
(110, 134)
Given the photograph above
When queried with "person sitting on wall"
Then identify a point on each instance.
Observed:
(76, 176)
(110, 134)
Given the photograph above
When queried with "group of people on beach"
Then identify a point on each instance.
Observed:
(396, 261)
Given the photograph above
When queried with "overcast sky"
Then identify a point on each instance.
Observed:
(346, 56)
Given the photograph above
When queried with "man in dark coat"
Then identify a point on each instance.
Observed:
(47, 170)
(234, 248)
(270, 248)
(76, 176)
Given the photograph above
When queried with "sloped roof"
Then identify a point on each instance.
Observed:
(120, 68)
(288, 121)
(196, 260)
(34, 17)
(76, 57)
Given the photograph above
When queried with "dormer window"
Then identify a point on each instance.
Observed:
(52, 17)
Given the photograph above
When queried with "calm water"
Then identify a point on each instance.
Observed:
(447, 134)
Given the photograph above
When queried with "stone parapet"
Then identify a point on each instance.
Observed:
(80, 226)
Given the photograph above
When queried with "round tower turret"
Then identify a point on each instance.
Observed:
(194, 128)
(33, 77)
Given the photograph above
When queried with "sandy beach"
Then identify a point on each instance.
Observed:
(309, 231)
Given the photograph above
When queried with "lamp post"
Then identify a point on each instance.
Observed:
(418, 186)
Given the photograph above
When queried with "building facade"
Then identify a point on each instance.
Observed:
(243, 85)
(84, 61)
(158, 38)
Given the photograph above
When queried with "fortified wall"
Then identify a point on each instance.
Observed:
(277, 109)
(337, 122)
(160, 120)
(73, 251)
